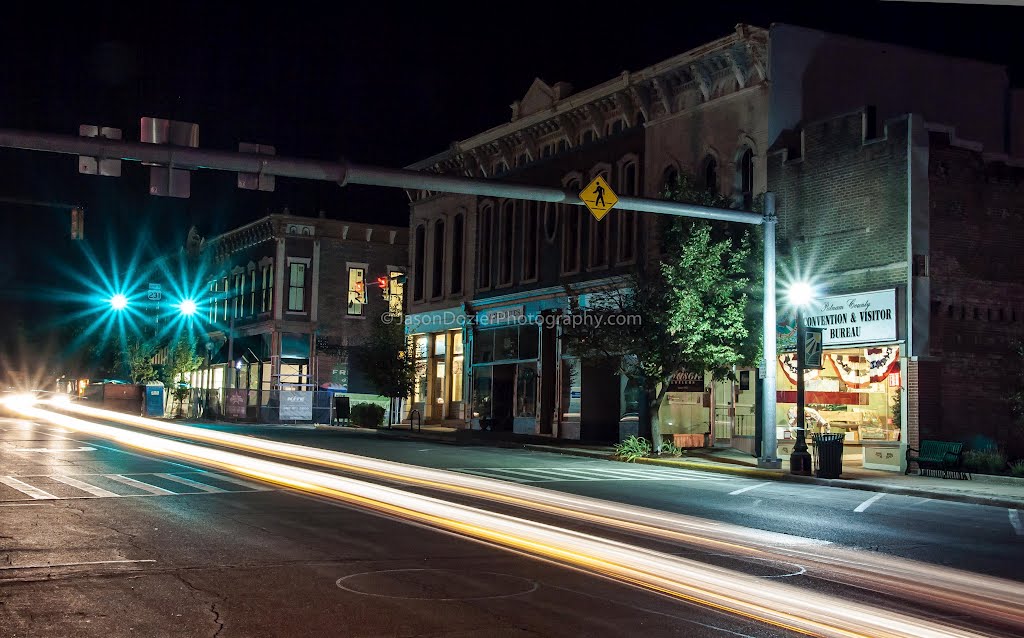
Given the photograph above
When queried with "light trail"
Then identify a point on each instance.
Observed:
(985, 597)
(773, 603)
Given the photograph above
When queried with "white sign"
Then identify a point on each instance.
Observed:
(501, 315)
(296, 405)
(867, 317)
(155, 292)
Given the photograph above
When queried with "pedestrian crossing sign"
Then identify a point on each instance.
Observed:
(598, 197)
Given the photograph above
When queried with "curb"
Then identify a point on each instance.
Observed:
(778, 476)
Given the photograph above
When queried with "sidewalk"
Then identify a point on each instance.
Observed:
(997, 491)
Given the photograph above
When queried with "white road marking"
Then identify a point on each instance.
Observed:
(114, 449)
(196, 484)
(82, 485)
(553, 474)
(1018, 526)
(55, 449)
(230, 479)
(748, 488)
(866, 504)
(92, 562)
(25, 488)
(152, 489)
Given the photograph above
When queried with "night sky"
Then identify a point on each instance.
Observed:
(387, 87)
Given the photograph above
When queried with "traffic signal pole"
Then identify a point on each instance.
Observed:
(343, 173)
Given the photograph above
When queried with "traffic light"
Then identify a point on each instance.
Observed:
(382, 282)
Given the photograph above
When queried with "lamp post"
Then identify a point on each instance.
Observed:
(800, 295)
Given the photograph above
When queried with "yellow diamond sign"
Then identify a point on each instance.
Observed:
(599, 197)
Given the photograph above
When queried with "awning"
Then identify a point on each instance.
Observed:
(250, 349)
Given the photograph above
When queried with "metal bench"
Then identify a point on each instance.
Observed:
(934, 456)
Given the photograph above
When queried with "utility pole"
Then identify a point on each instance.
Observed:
(343, 173)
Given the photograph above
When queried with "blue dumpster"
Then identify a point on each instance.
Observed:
(154, 403)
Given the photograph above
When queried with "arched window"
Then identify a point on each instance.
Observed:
(483, 251)
(437, 280)
(588, 136)
(626, 220)
(711, 173)
(669, 177)
(531, 233)
(420, 261)
(617, 126)
(458, 238)
(550, 222)
(571, 223)
(745, 175)
(506, 237)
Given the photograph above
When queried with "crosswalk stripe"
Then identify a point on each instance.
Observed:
(82, 485)
(230, 479)
(25, 488)
(152, 489)
(184, 481)
(494, 475)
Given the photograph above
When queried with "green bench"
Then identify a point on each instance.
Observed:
(934, 456)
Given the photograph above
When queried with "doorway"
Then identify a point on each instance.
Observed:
(503, 395)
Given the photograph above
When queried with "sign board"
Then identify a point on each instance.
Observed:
(296, 405)
(155, 292)
(236, 400)
(339, 376)
(861, 318)
(501, 315)
(598, 197)
(812, 348)
(686, 381)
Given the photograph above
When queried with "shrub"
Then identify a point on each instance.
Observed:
(633, 448)
(985, 461)
(668, 447)
(1017, 469)
(367, 415)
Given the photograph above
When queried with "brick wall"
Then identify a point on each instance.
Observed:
(977, 288)
(842, 205)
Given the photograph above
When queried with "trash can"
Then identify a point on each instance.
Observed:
(828, 454)
(342, 412)
(154, 401)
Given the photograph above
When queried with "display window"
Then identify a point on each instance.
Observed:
(856, 393)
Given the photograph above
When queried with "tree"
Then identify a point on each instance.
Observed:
(181, 359)
(698, 305)
(387, 359)
(137, 360)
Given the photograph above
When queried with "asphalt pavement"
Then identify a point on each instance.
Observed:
(99, 540)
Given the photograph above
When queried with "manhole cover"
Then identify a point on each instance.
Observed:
(436, 584)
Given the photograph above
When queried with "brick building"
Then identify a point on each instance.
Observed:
(283, 302)
(914, 220)
(713, 111)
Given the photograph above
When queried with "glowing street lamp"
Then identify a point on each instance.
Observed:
(187, 307)
(800, 294)
(118, 302)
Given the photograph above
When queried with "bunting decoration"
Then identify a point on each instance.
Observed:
(788, 363)
(877, 364)
(856, 372)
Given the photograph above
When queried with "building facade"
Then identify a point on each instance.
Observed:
(714, 112)
(907, 232)
(283, 304)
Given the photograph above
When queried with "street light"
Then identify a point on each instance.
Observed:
(187, 307)
(800, 294)
(118, 302)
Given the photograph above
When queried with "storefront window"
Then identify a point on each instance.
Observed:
(439, 345)
(421, 346)
(855, 394)
(526, 390)
(420, 387)
(528, 339)
(456, 342)
(482, 393)
(439, 381)
(483, 346)
(457, 366)
(506, 343)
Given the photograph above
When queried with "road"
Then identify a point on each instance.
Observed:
(210, 552)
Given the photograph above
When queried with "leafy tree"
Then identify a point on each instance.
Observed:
(387, 359)
(137, 360)
(181, 359)
(698, 305)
